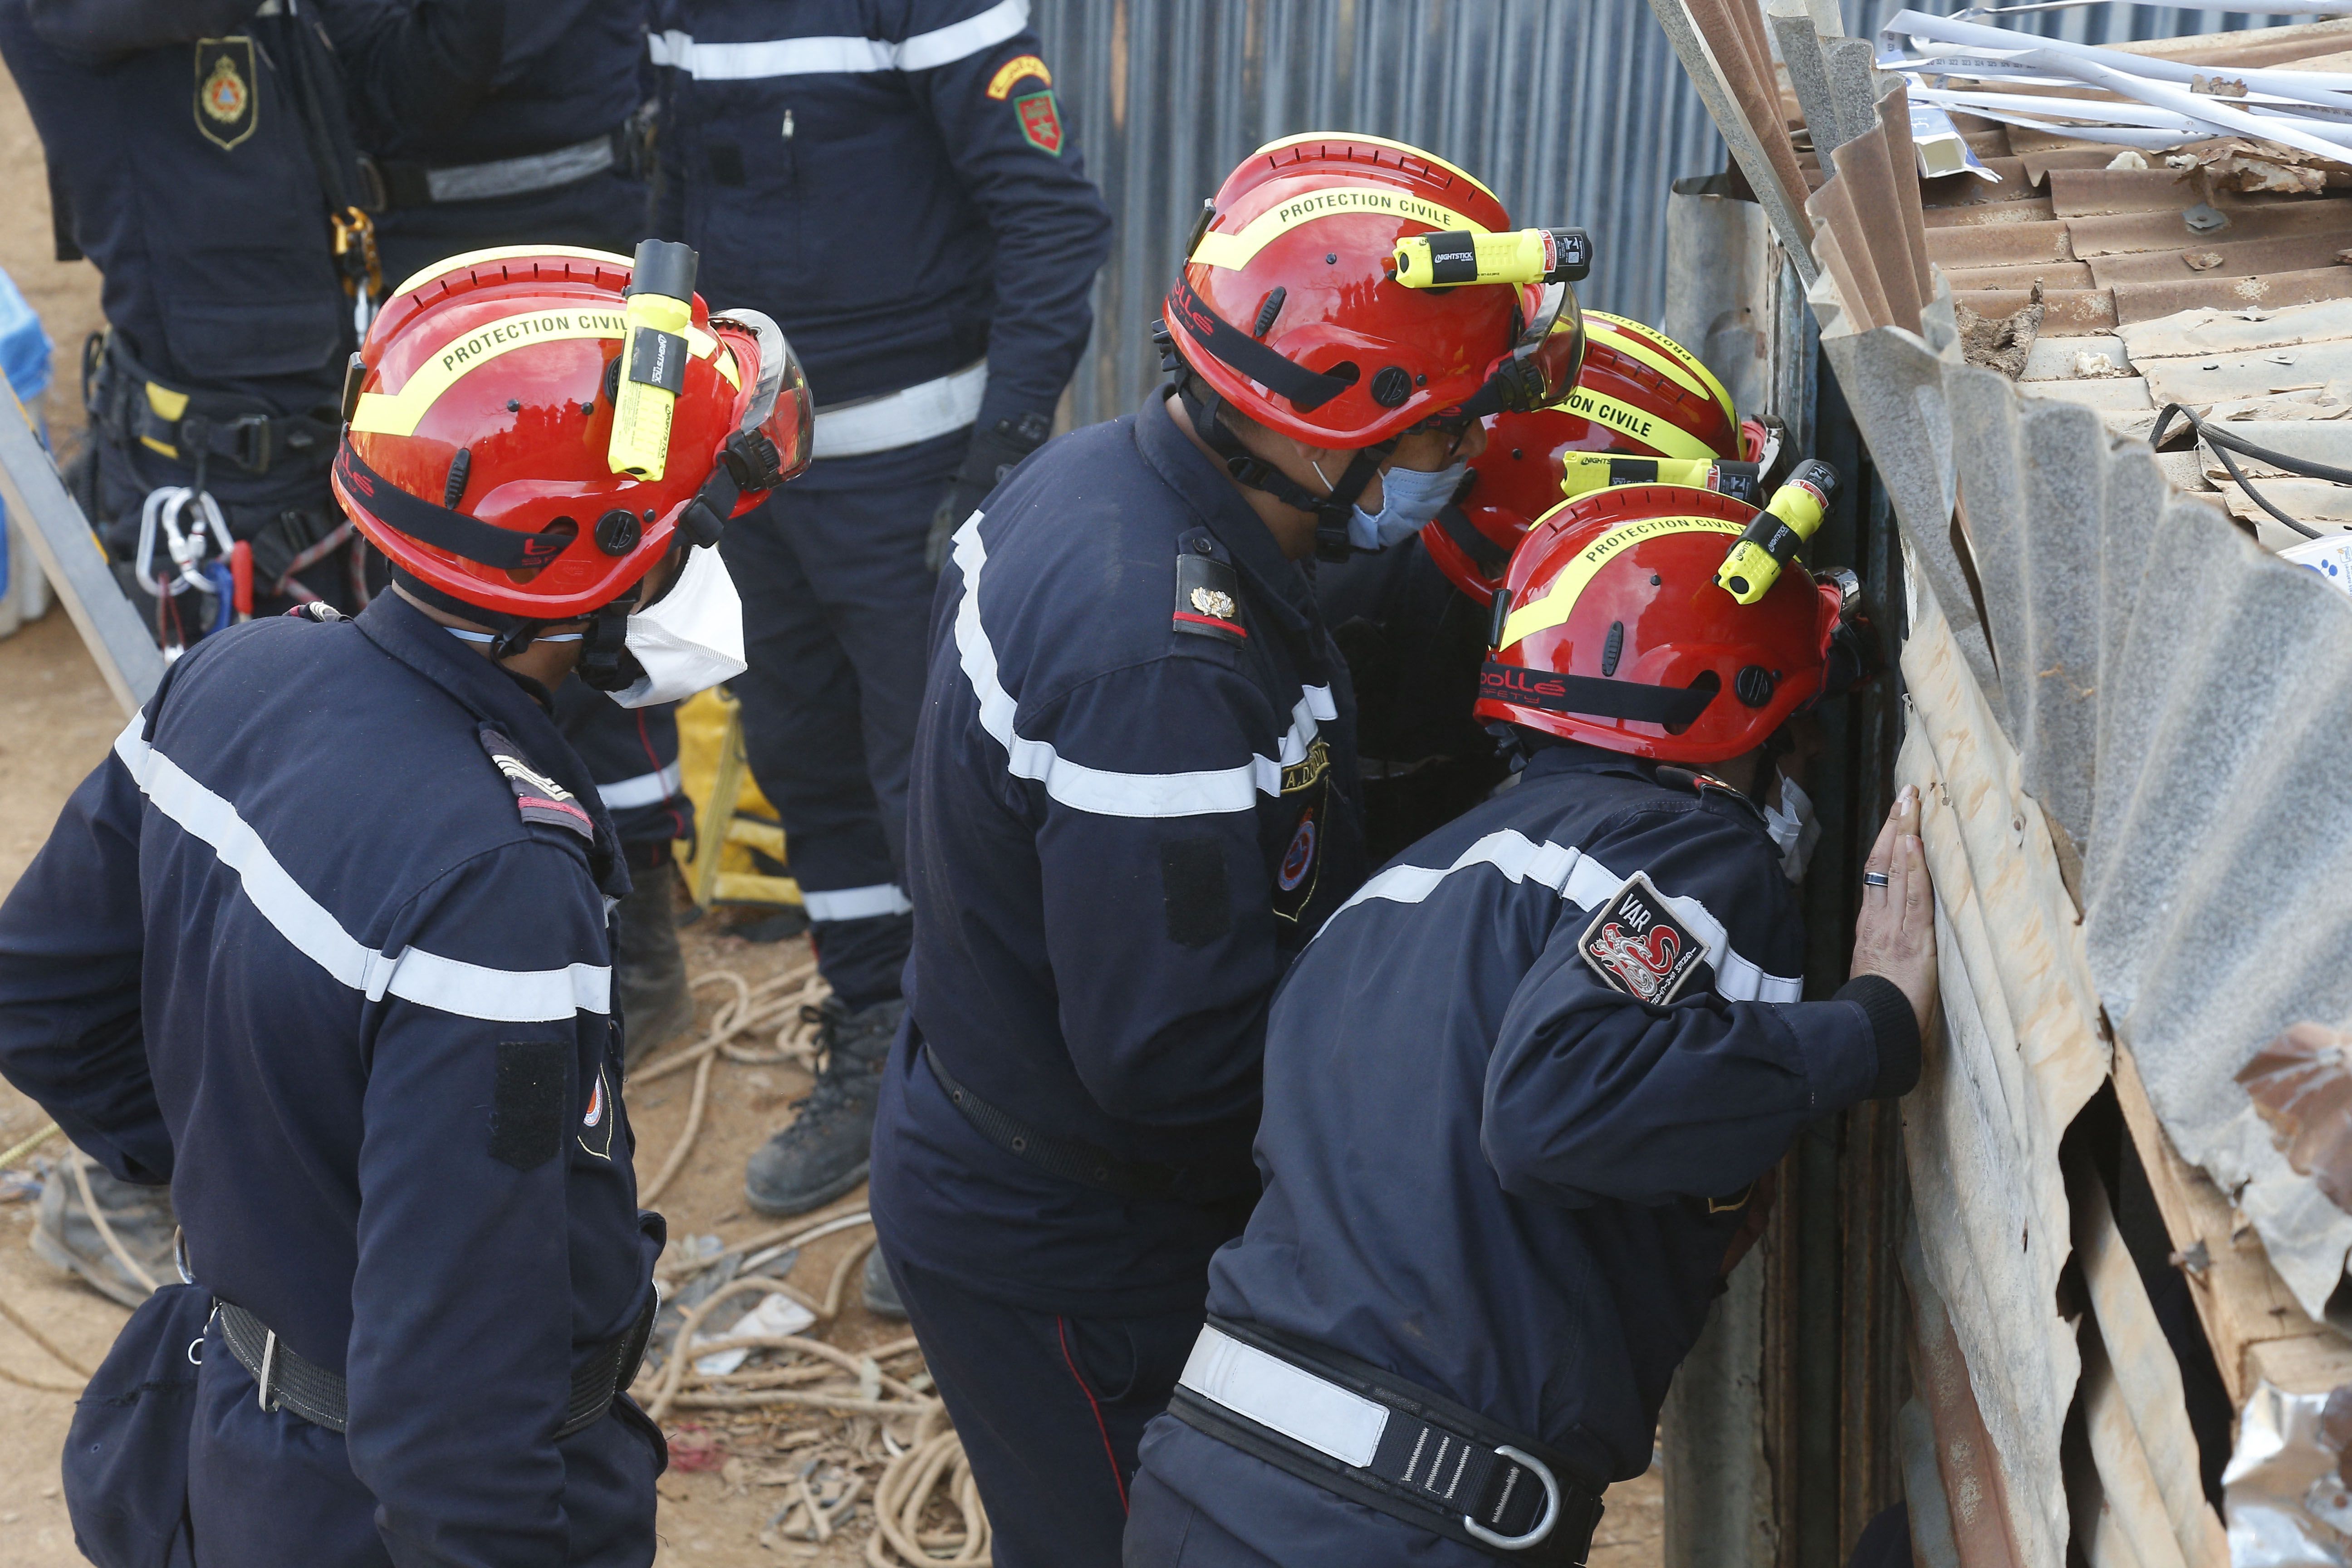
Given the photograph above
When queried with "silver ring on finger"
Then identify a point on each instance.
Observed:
(1873, 879)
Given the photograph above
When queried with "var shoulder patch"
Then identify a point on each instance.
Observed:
(1209, 598)
(537, 797)
(1637, 945)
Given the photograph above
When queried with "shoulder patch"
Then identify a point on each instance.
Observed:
(1040, 123)
(1025, 68)
(527, 1112)
(1209, 598)
(1637, 945)
(538, 798)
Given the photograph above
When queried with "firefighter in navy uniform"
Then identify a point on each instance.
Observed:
(512, 125)
(893, 181)
(323, 945)
(1135, 798)
(199, 155)
(196, 154)
(1520, 1092)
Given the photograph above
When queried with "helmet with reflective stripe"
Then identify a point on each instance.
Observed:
(1640, 392)
(1614, 633)
(477, 450)
(1288, 307)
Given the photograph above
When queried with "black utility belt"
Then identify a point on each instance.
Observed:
(1377, 1439)
(191, 425)
(1076, 1159)
(304, 1388)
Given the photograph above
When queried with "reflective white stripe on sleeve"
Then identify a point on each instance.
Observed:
(857, 903)
(1098, 790)
(646, 789)
(1584, 881)
(847, 56)
(448, 984)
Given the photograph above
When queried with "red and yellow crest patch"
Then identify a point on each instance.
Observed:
(224, 106)
(1040, 123)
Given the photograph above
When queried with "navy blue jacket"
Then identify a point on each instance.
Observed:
(305, 949)
(1492, 1166)
(1129, 808)
(891, 181)
(210, 234)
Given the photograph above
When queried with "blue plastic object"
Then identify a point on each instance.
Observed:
(24, 359)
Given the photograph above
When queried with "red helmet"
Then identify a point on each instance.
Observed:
(478, 417)
(1640, 392)
(1288, 307)
(1613, 631)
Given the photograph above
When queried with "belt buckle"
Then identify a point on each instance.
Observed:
(251, 434)
(1543, 1526)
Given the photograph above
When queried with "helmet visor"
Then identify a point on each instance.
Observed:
(1550, 347)
(779, 407)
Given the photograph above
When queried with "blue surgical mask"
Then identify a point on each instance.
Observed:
(1409, 499)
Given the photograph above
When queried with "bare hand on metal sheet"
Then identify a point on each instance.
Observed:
(1895, 936)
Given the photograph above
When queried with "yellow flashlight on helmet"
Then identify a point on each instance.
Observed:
(1452, 258)
(1584, 472)
(660, 307)
(1768, 545)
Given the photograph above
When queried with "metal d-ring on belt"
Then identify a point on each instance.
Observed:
(287, 1381)
(1376, 1438)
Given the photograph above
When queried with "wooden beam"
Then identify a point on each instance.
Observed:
(2257, 1329)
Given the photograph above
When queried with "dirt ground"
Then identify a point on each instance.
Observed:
(55, 722)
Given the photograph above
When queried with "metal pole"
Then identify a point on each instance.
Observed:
(70, 554)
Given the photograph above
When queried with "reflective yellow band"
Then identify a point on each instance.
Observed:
(1432, 159)
(1661, 436)
(1553, 608)
(1236, 249)
(509, 253)
(1663, 355)
(399, 413)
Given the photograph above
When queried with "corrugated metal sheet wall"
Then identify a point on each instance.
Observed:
(1573, 110)
(1538, 98)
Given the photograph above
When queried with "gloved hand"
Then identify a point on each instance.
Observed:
(994, 454)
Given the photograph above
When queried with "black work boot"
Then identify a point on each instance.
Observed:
(823, 1152)
(140, 1218)
(648, 971)
(881, 1292)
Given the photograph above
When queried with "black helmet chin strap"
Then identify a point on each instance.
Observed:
(1330, 511)
(606, 662)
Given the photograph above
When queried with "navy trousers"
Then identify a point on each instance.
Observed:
(1050, 1409)
(837, 612)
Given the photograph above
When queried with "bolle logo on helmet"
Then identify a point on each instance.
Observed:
(538, 549)
(1509, 683)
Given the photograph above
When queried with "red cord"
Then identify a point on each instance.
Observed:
(1061, 1328)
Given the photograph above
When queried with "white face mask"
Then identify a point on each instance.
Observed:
(1409, 499)
(1793, 828)
(689, 639)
